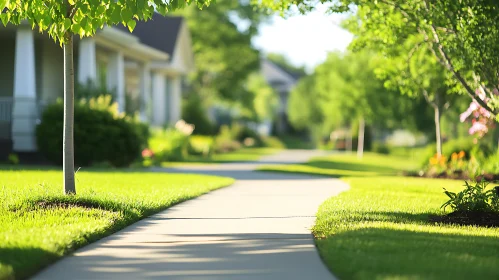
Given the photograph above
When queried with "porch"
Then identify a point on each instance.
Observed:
(31, 76)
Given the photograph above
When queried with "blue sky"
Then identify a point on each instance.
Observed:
(304, 39)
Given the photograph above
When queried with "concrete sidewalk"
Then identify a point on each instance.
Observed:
(258, 228)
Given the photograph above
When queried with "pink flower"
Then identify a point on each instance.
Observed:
(147, 153)
(478, 128)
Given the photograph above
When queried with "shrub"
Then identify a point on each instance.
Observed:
(194, 112)
(273, 142)
(200, 145)
(474, 198)
(225, 142)
(491, 164)
(169, 145)
(101, 134)
(380, 148)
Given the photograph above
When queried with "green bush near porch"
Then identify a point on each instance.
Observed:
(100, 134)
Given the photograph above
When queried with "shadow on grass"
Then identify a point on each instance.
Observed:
(384, 253)
(23, 262)
(323, 164)
(26, 262)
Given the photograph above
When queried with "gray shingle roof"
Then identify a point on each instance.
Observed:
(159, 32)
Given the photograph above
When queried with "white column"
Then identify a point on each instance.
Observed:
(24, 113)
(158, 99)
(116, 78)
(175, 104)
(145, 92)
(87, 64)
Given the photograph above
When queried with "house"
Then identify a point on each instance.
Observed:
(282, 81)
(147, 66)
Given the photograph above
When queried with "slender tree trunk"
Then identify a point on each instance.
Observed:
(437, 130)
(349, 142)
(360, 142)
(68, 142)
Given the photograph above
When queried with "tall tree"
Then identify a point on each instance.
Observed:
(224, 56)
(344, 90)
(62, 20)
(462, 35)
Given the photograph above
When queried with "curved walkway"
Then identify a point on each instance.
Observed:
(258, 228)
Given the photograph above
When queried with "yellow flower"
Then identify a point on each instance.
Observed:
(454, 156)
(461, 154)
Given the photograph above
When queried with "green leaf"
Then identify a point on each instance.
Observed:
(100, 10)
(126, 15)
(75, 28)
(3, 4)
(5, 18)
(71, 2)
(67, 24)
(116, 15)
(131, 25)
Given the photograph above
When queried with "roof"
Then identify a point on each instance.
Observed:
(159, 32)
(294, 75)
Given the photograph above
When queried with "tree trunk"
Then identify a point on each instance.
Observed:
(68, 141)
(360, 142)
(349, 142)
(437, 130)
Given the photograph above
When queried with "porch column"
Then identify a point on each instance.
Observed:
(116, 78)
(175, 110)
(145, 92)
(158, 99)
(24, 112)
(87, 68)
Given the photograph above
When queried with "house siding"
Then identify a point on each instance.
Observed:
(52, 72)
(7, 51)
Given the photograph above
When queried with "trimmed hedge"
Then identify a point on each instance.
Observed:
(99, 136)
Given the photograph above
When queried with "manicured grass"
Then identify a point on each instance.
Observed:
(241, 155)
(345, 164)
(379, 229)
(293, 143)
(39, 225)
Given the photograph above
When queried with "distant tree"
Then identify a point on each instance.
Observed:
(224, 56)
(264, 98)
(345, 90)
(62, 20)
(462, 35)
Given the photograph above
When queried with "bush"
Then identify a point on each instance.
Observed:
(225, 142)
(273, 142)
(474, 198)
(380, 148)
(169, 145)
(200, 145)
(100, 134)
(193, 112)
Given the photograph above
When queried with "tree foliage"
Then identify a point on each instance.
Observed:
(224, 56)
(343, 90)
(462, 35)
(84, 17)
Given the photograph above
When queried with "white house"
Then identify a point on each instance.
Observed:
(282, 81)
(147, 65)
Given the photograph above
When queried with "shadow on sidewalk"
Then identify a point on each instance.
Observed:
(232, 256)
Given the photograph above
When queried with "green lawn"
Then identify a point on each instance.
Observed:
(241, 155)
(379, 229)
(39, 225)
(343, 165)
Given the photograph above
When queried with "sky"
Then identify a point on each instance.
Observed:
(304, 39)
